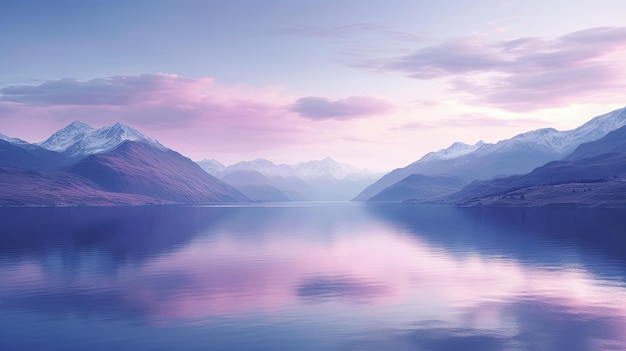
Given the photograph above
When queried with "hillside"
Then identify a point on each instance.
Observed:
(142, 168)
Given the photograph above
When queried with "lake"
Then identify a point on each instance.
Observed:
(312, 276)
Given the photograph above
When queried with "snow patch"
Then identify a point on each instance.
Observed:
(13, 140)
(455, 150)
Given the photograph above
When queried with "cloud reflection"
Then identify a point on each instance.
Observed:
(282, 263)
(318, 289)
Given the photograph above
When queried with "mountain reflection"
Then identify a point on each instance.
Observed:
(116, 234)
(434, 278)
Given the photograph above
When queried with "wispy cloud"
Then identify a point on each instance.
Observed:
(468, 121)
(523, 74)
(319, 108)
(119, 90)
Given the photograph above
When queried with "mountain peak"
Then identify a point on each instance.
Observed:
(79, 139)
(261, 162)
(120, 126)
(78, 125)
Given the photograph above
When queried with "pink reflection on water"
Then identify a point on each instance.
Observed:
(21, 276)
(387, 272)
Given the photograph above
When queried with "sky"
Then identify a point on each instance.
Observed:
(375, 84)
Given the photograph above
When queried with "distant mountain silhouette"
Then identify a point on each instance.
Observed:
(319, 180)
(255, 186)
(212, 167)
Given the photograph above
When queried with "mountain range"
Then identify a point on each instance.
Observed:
(255, 186)
(482, 161)
(319, 180)
(116, 165)
(592, 175)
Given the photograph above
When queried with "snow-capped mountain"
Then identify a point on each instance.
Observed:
(107, 166)
(592, 175)
(324, 179)
(304, 170)
(79, 139)
(564, 142)
(212, 167)
(455, 150)
(519, 154)
(326, 167)
(559, 142)
(613, 142)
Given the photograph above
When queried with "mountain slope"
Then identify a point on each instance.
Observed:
(78, 139)
(31, 157)
(590, 170)
(614, 141)
(609, 193)
(520, 154)
(143, 168)
(13, 140)
(29, 188)
(293, 187)
(419, 187)
(255, 186)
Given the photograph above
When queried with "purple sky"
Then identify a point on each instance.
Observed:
(374, 84)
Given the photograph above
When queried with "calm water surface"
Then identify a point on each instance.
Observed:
(334, 276)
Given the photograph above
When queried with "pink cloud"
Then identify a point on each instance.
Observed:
(181, 112)
(198, 116)
(528, 73)
(319, 108)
